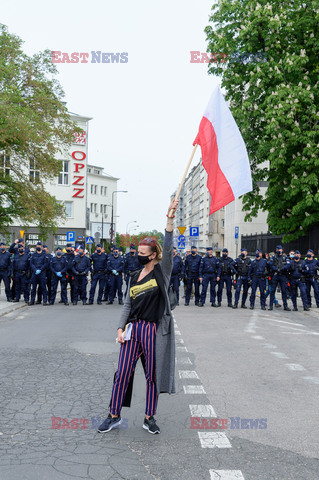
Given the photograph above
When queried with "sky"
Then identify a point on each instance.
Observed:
(146, 112)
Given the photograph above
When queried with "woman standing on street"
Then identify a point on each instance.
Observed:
(147, 308)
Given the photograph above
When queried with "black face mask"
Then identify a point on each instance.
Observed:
(143, 259)
(2, 249)
(115, 255)
(69, 250)
(98, 250)
(278, 252)
(193, 252)
(20, 250)
(58, 254)
(243, 255)
(296, 257)
(224, 255)
(257, 255)
(132, 253)
(309, 255)
(38, 249)
(81, 254)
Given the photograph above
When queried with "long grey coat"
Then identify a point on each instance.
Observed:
(165, 339)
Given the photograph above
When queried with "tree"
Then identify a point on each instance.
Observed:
(34, 128)
(271, 79)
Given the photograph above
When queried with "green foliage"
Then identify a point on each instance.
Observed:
(35, 128)
(273, 95)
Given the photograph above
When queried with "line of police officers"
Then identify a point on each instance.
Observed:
(289, 272)
(37, 275)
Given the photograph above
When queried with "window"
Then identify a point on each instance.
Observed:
(97, 172)
(64, 174)
(68, 209)
(223, 223)
(103, 208)
(5, 164)
(93, 207)
(93, 189)
(34, 172)
(103, 191)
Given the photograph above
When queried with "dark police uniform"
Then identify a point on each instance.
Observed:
(276, 265)
(21, 272)
(80, 268)
(297, 279)
(177, 273)
(58, 265)
(69, 275)
(209, 270)
(99, 264)
(192, 264)
(310, 269)
(131, 264)
(5, 271)
(240, 267)
(225, 278)
(38, 262)
(115, 267)
(257, 273)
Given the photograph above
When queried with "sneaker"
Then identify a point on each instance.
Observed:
(110, 303)
(230, 305)
(295, 309)
(219, 304)
(109, 423)
(306, 309)
(150, 426)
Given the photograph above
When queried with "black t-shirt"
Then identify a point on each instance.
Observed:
(145, 298)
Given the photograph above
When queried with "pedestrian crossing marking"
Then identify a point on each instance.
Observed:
(214, 440)
(205, 411)
(182, 349)
(226, 475)
(295, 366)
(193, 389)
(187, 374)
(279, 354)
(184, 360)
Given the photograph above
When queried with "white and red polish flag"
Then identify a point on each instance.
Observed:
(224, 154)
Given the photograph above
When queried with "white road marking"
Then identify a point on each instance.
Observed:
(177, 332)
(268, 345)
(257, 337)
(20, 317)
(205, 411)
(182, 349)
(193, 389)
(295, 366)
(214, 440)
(226, 475)
(284, 321)
(251, 327)
(187, 374)
(314, 380)
(183, 360)
(179, 340)
(279, 354)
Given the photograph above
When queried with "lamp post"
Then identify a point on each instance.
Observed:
(133, 221)
(112, 229)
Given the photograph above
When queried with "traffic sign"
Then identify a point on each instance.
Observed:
(236, 232)
(181, 238)
(181, 230)
(89, 240)
(70, 236)
(194, 231)
(181, 245)
(21, 233)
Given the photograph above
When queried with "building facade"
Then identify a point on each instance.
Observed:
(84, 190)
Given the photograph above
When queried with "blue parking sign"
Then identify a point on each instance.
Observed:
(194, 231)
(70, 236)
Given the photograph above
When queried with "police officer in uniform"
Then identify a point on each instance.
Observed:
(177, 273)
(297, 279)
(240, 267)
(5, 269)
(131, 264)
(99, 265)
(21, 272)
(276, 264)
(49, 271)
(310, 267)
(225, 277)
(115, 267)
(209, 274)
(19, 242)
(257, 273)
(58, 268)
(69, 275)
(38, 264)
(192, 264)
(80, 268)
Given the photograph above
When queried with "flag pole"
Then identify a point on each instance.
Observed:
(185, 173)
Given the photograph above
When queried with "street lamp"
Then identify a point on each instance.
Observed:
(112, 229)
(133, 228)
(133, 221)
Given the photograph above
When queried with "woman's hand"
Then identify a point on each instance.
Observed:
(120, 338)
(172, 208)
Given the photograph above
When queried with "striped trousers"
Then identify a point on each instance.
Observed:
(142, 341)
